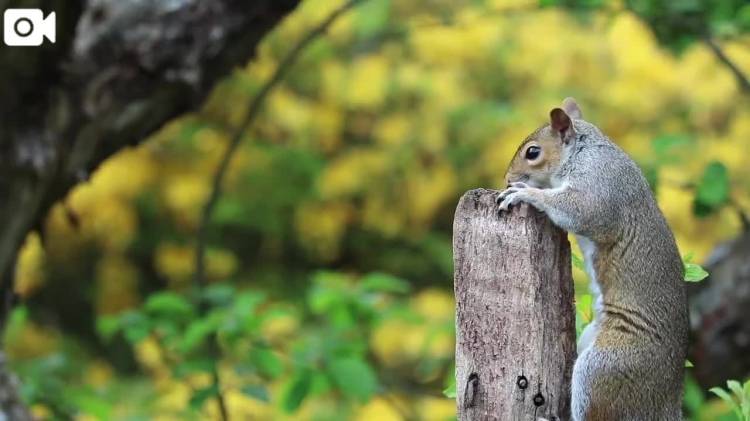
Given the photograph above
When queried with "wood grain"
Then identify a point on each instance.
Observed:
(515, 319)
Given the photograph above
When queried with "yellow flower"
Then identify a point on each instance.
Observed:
(393, 129)
(645, 79)
(441, 344)
(387, 341)
(447, 91)
(368, 82)
(280, 327)
(327, 122)
(106, 218)
(512, 4)
(173, 397)
(185, 194)
(220, 264)
(332, 89)
(41, 412)
(382, 214)
(378, 409)
(149, 354)
(127, 173)
(117, 284)
(321, 226)
(352, 172)
(30, 270)
(243, 407)
(466, 43)
(436, 409)
(428, 190)
(712, 87)
(434, 305)
(98, 373)
(175, 262)
(290, 111)
(30, 341)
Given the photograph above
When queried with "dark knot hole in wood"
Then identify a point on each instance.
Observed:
(522, 382)
(472, 388)
(538, 399)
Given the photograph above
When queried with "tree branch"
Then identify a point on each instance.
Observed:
(742, 79)
(235, 140)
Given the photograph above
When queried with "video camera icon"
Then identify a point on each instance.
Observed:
(28, 27)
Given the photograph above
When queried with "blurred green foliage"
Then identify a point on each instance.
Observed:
(737, 396)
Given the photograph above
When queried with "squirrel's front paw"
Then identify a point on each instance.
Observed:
(516, 193)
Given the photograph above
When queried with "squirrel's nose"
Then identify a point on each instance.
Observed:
(513, 178)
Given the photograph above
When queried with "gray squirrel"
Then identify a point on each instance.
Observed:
(631, 357)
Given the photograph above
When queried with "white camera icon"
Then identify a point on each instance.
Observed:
(28, 27)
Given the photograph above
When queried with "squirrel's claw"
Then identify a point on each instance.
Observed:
(516, 193)
(509, 197)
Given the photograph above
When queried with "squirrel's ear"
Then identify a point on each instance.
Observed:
(561, 124)
(571, 108)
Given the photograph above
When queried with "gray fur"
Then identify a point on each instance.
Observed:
(631, 358)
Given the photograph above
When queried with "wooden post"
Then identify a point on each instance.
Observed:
(515, 320)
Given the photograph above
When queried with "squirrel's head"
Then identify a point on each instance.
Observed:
(540, 154)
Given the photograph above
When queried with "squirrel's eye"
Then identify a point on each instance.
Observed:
(533, 152)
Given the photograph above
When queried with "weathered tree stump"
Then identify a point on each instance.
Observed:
(515, 320)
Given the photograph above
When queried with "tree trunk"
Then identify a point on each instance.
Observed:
(515, 320)
(719, 316)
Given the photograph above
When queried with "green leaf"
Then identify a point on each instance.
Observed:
(169, 304)
(19, 315)
(196, 334)
(666, 146)
(694, 398)
(743, 17)
(372, 17)
(382, 282)
(329, 291)
(202, 395)
(219, 294)
(354, 378)
(735, 387)
(267, 362)
(248, 301)
(107, 326)
(135, 334)
(296, 391)
(689, 364)
(694, 272)
(256, 391)
(651, 172)
(136, 326)
(713, 189)
(728, 399)
(192, 366)
(450, 391)
(90, 404)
